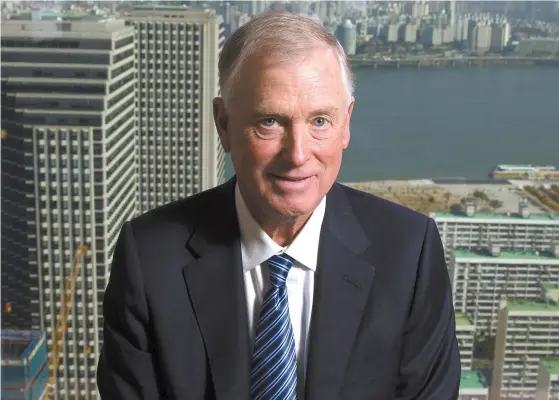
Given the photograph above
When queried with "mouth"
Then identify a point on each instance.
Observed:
(292, 183)
(291, 178)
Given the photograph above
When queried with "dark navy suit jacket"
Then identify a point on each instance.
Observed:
(175, 319)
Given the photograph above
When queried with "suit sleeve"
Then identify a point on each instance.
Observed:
(126, 366)
(430, 364)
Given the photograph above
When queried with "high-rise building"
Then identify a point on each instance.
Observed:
(465, 332)
(392, 32)
(68, 176)
(257, 6)
(480, 278)
(500, 35)
(452, 12)
(462, 29)
(238, 20)
(448, 34)
(420, 9)
(179, 152)
(547, 387)
(178, 148)
(347, 35)
(24, 365)
(432, 36)
(527, 334)
(481, 41)
(408, 32)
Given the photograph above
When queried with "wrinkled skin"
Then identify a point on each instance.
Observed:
(286, 127)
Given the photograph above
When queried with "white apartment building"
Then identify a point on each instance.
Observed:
(547, 387)
(521, 231)
(465, 333)
(528, 332)
(178, 148)
(473, 386)
(480, 278)
(68, 176)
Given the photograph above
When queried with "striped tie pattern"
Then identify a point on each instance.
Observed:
(274, 364)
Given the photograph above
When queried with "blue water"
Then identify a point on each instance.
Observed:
(455, 122)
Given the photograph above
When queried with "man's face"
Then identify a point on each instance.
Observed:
(286, 128)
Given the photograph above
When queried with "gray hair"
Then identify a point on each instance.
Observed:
(282, 35)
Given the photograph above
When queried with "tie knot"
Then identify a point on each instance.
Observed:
(279, 266)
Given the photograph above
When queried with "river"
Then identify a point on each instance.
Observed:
(453, 122)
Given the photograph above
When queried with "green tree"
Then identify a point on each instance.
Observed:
(494, 204)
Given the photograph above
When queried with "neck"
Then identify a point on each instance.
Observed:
(283, 231)
(280, 228)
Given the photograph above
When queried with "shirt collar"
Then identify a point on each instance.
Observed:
(257, 246)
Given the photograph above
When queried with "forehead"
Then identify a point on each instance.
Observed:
(314, 80)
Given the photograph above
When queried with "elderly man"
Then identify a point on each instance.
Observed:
(281, 283)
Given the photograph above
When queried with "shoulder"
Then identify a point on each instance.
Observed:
(179, 218)
(371, 209)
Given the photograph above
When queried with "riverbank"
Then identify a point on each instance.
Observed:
(446, 62)
(427, 196)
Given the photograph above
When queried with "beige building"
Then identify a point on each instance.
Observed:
(465, 333)
(548, 379)
(178, 148)
(473, 386)
(519, 231)
(68, 177)
(480, 278)
(528, 332)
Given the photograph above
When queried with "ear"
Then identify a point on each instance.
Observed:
(346, 135)
(221, 120)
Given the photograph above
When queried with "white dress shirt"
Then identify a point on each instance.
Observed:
(256, 248)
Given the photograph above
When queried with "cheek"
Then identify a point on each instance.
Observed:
(253, 157)
(330, 154)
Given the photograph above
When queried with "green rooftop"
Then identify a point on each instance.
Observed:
(472, 379)
(527, 305)
(462, 320)
(551, 365)
(505, 254)
(161, 6)
(70, 15)
(499, 215)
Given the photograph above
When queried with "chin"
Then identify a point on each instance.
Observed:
(293, 207)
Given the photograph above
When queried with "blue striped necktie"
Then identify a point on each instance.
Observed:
(274, 364)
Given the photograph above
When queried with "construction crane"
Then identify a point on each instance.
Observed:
(59, 334)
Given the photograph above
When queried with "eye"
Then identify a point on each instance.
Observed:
(320, 121)
(268, 122)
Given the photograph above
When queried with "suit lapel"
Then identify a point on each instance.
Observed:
(216, 288)
(342, 285)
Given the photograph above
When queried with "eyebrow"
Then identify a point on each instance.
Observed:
(260, 111)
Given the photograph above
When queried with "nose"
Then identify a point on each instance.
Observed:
(296, 145)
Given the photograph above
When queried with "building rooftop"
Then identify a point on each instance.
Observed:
(161, 6)
(462, 320)
(68, 15)
(497, 216)
(551, 365)
(53, 15)
(472, 379)
(526, 305)
(505, 254)
(17, 345)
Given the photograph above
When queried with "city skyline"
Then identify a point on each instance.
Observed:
(95, 106)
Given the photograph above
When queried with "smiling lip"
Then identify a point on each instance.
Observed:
(292, 183)
(291, 178)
